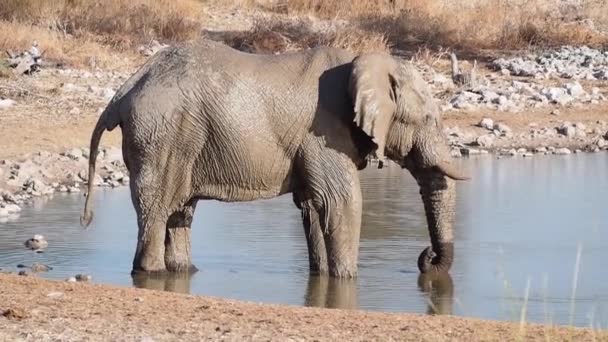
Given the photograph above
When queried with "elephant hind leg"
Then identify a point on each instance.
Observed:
(178, 250)
(163, 220)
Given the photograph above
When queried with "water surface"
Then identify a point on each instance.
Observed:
(520, 225)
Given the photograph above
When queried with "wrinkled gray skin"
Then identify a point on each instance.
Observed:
(204, 121)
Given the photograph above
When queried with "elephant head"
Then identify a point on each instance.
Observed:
(395, 108)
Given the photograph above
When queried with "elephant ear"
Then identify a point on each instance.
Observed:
(372, 89)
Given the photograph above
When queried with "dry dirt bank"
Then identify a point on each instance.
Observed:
(34, 309)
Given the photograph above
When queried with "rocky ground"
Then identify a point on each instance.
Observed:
(33, 309)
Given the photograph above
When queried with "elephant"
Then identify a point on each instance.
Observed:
(203, 121)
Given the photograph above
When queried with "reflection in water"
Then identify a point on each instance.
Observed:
(174, 282)
(516, 220)
(329, 292)
(440, 289)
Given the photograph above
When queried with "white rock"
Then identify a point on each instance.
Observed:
(74, 153)
(486, 123)
(575, 89)
(486, 140)
(562, 151)
(567, 129)
(6, 103)
(12, 208)
(502, 128)
(75, 111)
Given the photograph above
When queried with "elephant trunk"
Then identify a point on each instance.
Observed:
(435, 175)
(439, 198)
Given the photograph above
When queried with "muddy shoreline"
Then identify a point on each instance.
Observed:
(34, 309)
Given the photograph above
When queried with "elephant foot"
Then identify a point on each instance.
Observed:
(342, 271)
(148, 263)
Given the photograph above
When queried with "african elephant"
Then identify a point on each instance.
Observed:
(201, 120)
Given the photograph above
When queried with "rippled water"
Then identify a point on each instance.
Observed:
(520, 223)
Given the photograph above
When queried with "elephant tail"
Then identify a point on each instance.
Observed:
(100, 127)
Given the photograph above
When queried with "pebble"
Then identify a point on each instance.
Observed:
(486, 140)
(36, 243)
(71, 280)
(6, 103)
(40, 268)
(562, 151)
(83, 277)
(55, 294)
(486, 123)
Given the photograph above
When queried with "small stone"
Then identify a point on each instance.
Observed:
(40, 268)
(486, 123)
(555, 112)
(6, 103)
(15, 314)
(37, 242)
(486, 140)
(567, 129)
(528, 155)
(139, 299)
(502, 128)
(12, 208)
(575, 89)
(23, 273)
(83, 277)
(521, 150)
(73, 189)
(562, 151)
(71, 280)
(601, 143)
(75, 111)
(55, 294)
(540, 149)
(74, 153)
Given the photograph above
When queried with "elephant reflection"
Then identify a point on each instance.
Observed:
(173, 282)
(440, 289)
(329, 292)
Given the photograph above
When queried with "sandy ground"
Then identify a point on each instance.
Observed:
(34, 309)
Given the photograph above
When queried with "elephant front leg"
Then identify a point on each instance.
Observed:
(317, 254)
(178, 248)
(332, 223)
(342, 232)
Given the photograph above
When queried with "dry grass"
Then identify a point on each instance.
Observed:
(59, 48)
(276, 36)
(470, 24)
(74, 31)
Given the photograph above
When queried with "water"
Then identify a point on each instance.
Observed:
(519, 222)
